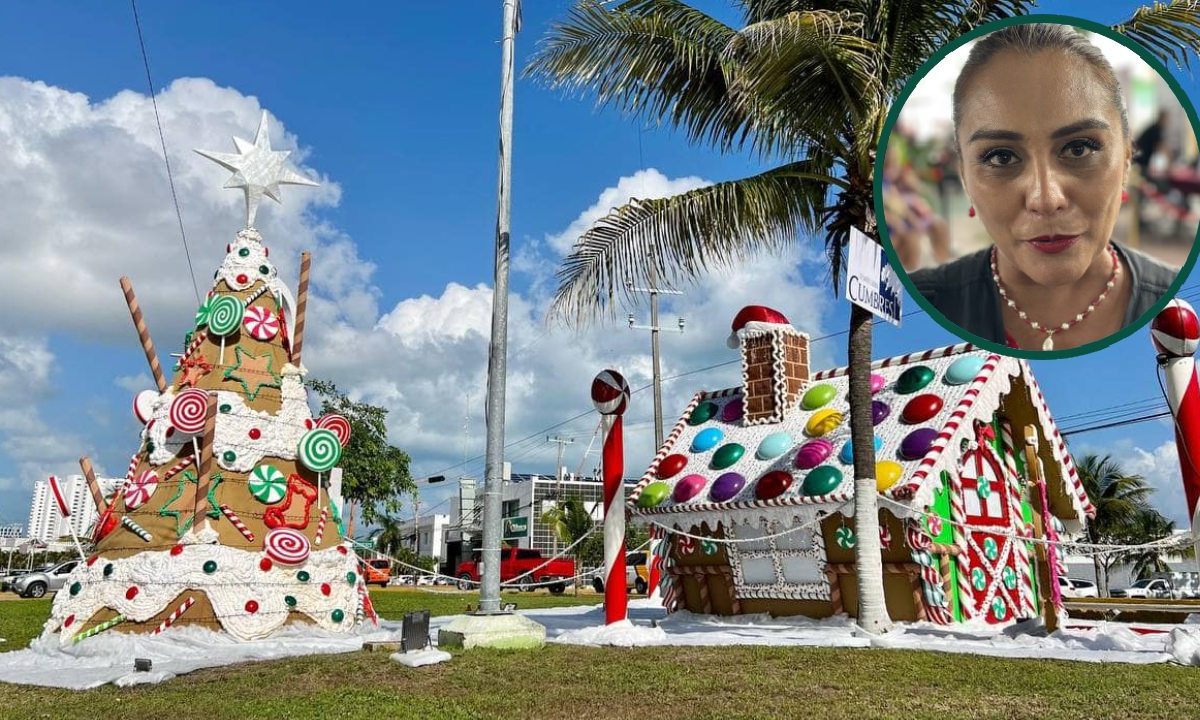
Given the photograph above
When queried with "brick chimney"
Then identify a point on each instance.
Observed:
(774, 363)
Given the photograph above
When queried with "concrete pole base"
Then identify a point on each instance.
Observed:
(508, 631)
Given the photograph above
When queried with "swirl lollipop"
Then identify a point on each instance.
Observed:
(286, 546)
(339, 425)
(139, 490)
(188, 410)
(319, 450)
(225, 315)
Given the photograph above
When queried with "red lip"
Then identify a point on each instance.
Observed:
(1052, 244)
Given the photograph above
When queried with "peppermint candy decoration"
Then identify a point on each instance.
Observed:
(319, 450)
(203, 311)
(188, 411)
(610, 393)
(225, 315)
(934, 595)
(268, 484)
(999, 608)
(935, 525)
(143, 405)
(984, 489)
(845, 538)
(708, 547)
(139, 490)
(286, 546)
(260, 323)
(1009, 577)
(885, 537)
(978, 579)
(686, 545)
(990, 549)
(338, 425)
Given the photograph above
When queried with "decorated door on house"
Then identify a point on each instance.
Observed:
(992, 562)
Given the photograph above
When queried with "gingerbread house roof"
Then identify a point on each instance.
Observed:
(923, 407)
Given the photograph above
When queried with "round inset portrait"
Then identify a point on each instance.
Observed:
(1038, 187)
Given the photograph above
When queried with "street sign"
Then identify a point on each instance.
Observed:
(516, 527)
(871, 283)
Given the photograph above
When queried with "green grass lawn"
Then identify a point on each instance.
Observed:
(573, 682)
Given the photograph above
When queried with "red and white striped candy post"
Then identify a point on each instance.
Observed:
(237, 522)
(321, 526)
(65, 511)
(170, 619)
(656, 542)
(1175, 333)
(610, 393)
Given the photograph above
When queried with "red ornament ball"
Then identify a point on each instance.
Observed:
(342, 549)
(308, 424)
(131, 593)
(255, 433)
(265, 564)
(325, 589)
(69, 621)
(773, 484)
(242, 279)
(251, 606)
(176, 550)
(670, 466)
(1175, 331)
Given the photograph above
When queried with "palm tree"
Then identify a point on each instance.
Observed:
(805, 84)
(1148, 526)
(1121, 501)
(569, 520)
(389, 538)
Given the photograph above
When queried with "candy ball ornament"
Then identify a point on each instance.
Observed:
(877, 382)
(688, 488)
(1175, 331)
(733, 410)
(916, 444)
(727, 486)
(887, 474)
(823, 422)
(773, 446)
(822, 480)
(653, 495)
(914, 379)
(879, 411)
(773, 484)
(846, 455)
(670, 466)
(610, 393)
(921, 408)
(225, 315)
(319, 450)
(813, 453)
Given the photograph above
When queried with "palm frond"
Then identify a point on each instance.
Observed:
(1168, 30)
(659, 59)
(689, 234)
(810, 68)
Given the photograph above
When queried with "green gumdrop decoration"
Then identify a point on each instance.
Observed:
(822, 480)
(727, 455)
(703, 413)
(653, 495)
(108, 570)
(75, 588)
(913, 379)
(817, 396)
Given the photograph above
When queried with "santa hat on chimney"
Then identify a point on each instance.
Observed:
(755, 317)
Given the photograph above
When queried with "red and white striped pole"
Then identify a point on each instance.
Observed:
(610, 393)
(65, 510)
(655, 562)
(1175, 333)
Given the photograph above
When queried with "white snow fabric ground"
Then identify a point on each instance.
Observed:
(419, 658)
(108, 657)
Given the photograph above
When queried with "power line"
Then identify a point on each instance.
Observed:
(166, 160)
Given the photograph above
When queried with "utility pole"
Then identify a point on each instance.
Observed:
(489, 592)
(562, 443)
(654, 291)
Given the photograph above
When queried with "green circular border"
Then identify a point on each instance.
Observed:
(893, 115)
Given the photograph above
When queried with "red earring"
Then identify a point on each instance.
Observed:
(1124, 196)
(971, 212)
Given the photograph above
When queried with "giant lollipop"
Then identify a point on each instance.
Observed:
(225, 314)
(1175, 333)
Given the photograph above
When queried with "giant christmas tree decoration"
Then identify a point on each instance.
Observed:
(227, 517)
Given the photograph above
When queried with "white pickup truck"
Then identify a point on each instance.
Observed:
(1175, 585)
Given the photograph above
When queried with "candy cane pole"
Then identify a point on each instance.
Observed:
(610, 393)
(139, 323)
(301, 307)
(65, 510)
(656, 541)
(204, 466)
(1175, 333)
(170, 619)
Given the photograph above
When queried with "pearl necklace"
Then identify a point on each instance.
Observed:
(1049, 343)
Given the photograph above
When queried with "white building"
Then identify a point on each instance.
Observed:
(45, 521)
(428, 536)
(527, 497)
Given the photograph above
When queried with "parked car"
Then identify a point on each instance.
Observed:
(1076, 587)
(37, 584)
(376, 571)
(517, 562)
(637, 574)
(424, 580)
(7, 579)
(1147, 588)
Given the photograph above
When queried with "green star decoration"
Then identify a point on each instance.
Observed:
(185, 477)
(258, 368)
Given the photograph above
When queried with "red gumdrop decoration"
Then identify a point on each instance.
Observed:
(670, 466)
(265, 564)
(921, 408)
(773, 484)
(242, 279)
(342, 549)
(325, 589)
(131, 593)
(255, 433)
(69, 621)
(92, 560)
(251, 606)
(177, 549)
(308, 424)
(170, 431)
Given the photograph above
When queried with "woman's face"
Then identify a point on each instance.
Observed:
(1044, 161)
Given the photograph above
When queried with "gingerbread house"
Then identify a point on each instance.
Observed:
(753, 489)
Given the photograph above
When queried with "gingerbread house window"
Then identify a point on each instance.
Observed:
(787, 566)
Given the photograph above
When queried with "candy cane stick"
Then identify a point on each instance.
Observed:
(1174, 333)
(237, 522)
(320, 526)
(136, 529)
(99, 628)
(197, 338)
(170, 619)
(301, 307)
(139, 323)
(610, 393)
(177, 467)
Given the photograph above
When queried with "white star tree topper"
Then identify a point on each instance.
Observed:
(257, 169)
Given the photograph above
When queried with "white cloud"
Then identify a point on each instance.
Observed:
(1160, 468)
(134, 383)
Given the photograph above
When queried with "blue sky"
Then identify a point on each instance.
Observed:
(394, 106)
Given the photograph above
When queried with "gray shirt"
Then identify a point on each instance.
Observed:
(963, 290)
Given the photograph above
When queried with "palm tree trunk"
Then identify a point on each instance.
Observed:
(1101, 577)
(868, 558)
